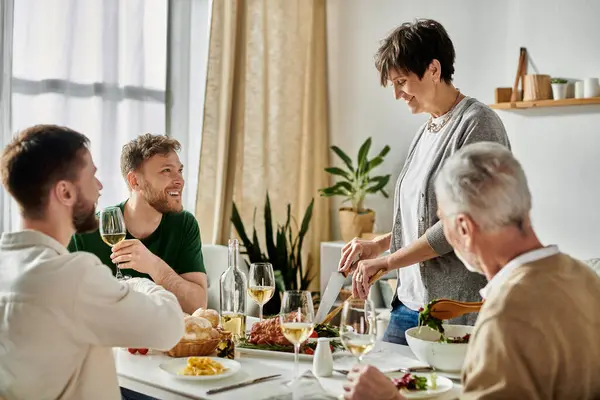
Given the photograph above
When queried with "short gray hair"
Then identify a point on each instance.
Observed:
(485, 181)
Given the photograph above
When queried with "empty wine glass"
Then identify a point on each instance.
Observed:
(112, 231)
(261, 284)
(358, 327)
(296, 319)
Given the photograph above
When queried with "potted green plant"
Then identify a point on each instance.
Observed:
(283, 251)
(559, 88)
(354, 183)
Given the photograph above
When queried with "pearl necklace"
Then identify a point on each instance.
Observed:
(435, 128)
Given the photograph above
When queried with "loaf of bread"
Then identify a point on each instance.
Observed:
(211, 315)
(198, 328)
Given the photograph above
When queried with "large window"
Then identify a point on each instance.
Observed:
(100, 67)
(97, 66)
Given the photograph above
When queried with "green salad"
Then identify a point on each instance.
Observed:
(411, 382)
(426, 319)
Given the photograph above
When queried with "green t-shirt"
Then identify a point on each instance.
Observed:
(176, 241)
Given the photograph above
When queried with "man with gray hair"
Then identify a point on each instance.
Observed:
(537, 333)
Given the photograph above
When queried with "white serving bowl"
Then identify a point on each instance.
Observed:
(442, 356)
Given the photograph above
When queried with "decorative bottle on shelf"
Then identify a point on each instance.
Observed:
(234, 286)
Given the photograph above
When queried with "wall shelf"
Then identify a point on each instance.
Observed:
(520, 105)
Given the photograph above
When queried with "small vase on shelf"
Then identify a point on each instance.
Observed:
(559, 89)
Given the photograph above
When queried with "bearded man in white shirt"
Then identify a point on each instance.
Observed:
(536, 336)
(62, 313)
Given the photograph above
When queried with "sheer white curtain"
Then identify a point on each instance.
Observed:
(110, 69)
(7, 205)
(97, 66)
(189, 29)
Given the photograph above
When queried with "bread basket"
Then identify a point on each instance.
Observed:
(197, 347)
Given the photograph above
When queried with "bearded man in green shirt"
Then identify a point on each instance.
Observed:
(163, 241)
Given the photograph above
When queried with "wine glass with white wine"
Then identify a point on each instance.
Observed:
(358, 327)
(296, 320)
(261, 284)
(112, 231)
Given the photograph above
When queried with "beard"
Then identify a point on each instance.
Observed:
(159, 200)
(84, 215)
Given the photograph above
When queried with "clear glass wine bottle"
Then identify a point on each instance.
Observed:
(234, 286)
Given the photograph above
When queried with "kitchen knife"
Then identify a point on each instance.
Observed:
(334, 286)
(332, 291)
(336, 310)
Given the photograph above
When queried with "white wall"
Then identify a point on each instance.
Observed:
(558, 147)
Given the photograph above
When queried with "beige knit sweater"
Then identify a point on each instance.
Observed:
(538, 335)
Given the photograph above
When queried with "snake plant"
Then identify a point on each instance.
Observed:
(283, 246)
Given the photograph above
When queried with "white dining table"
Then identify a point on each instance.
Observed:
(141, 373)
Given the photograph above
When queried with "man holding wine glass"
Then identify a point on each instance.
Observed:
(61, 313)
(154, 237)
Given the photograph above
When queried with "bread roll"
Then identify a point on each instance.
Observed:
(211, 315)
(196, 324)
(203, 334)
(198, 328)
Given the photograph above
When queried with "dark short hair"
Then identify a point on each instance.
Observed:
(143, 148)
(36, 159)
(412, 47)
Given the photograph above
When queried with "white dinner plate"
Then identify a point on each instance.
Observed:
(176, 366)
(443, 385)
(281, 355)
(451, 375)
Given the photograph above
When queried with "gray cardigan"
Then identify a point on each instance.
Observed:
(445, 276)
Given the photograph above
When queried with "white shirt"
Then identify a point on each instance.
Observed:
(523, 259)
(61, 314)
(411, 291)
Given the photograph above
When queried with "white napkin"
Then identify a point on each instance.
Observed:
(306, 387)
(379, 359)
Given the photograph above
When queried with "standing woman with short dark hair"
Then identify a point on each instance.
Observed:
(418, 59)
